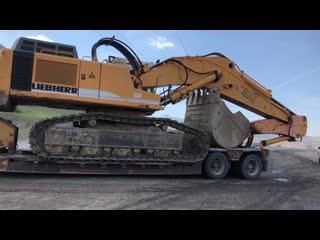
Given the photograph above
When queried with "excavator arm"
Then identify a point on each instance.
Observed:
(216, 71)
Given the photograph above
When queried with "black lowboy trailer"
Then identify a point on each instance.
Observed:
(246, 163)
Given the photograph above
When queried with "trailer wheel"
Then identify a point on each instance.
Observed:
(216, 166)
(250, 167)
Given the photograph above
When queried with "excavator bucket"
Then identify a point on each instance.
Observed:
(208, 112)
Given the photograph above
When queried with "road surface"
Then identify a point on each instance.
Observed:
(292, 182)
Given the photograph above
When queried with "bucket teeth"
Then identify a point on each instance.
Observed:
(205, 97)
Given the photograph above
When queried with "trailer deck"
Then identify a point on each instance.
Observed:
(25, 161)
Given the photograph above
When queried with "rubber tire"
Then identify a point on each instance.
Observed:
(242, 169)
(207, 165)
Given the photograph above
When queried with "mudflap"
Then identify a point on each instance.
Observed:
(208, 112)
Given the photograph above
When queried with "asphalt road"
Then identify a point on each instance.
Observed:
(292, 182)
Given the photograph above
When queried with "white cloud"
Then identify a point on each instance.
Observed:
(161, 42)
(40, 37)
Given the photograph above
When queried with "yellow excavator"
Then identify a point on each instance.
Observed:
(117, 132)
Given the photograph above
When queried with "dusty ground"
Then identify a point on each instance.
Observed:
(292, 182)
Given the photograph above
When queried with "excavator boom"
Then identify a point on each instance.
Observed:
(218, 72)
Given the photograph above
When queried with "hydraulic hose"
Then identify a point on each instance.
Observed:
(123, 48)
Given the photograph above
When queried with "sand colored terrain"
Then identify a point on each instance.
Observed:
(308, 143)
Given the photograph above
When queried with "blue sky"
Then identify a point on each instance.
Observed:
(288, 62)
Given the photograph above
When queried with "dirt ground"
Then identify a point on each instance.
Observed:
(292, 182)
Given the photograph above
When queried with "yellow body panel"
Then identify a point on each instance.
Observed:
(8, 134)
(5, 77)
(89, 83)
(4, 164)
(97, 84)
(274, 140)
(81, 101)
(118, 85)
(55, 70)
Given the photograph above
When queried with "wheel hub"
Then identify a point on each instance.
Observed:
(216, 165)
(252, 167)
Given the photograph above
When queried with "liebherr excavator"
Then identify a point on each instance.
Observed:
(116, 133)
